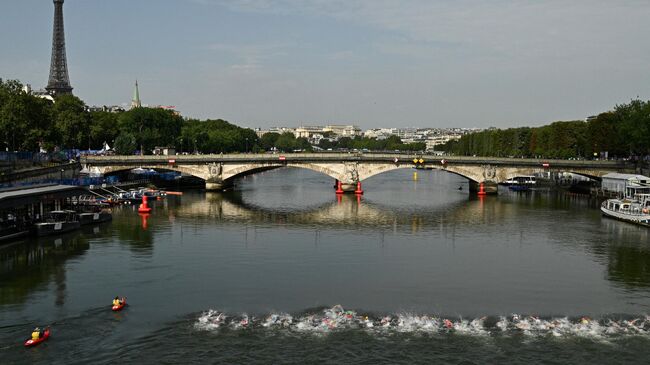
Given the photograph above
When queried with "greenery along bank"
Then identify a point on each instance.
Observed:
(622, 132)
(30, 123)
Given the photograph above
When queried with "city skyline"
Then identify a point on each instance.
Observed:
(375, 64)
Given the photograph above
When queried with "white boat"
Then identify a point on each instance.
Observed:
(521, 180)
(634, 210)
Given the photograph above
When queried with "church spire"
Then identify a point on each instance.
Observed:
(135, 102)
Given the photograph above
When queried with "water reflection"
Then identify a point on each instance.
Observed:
(29, 266)
(419, 221)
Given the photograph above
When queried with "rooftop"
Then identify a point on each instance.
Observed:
(21, 196)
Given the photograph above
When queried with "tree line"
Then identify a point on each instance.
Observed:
(622, 132)
(31, 123)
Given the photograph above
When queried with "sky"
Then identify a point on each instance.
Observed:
(374, 63)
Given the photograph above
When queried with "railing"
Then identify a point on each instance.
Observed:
(356, 156)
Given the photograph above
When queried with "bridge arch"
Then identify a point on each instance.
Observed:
(370, 170)
(229, 173)
(107, 170)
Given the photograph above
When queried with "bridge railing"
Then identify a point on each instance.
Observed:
(351, 157)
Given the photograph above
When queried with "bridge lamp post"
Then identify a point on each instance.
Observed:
(246, 148)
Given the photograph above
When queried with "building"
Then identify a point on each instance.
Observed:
(43, 94)
(307, 131)
(164, 151)
(620, 183)
(107, 108)
(438, 140)
(279, 130)
(343, 130)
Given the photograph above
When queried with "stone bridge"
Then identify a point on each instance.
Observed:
(219, 171)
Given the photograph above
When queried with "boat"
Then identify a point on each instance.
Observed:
(58, 221)
(30, 342)
(634, 210)
(519, 187)
(117, 308)
(92, 210)
(521, 180)
(94, 217)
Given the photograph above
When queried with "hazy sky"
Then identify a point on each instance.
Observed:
(370, 62)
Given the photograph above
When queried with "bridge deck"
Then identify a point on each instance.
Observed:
(352, 157)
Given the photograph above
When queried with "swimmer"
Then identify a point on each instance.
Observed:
(448, 324)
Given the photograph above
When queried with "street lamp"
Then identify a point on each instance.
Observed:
(246, 148)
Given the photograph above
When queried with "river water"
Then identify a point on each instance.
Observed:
(280, 270)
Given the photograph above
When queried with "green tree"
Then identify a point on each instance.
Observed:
(152, 127)
(269, 140)
(103, 128)
(25, 120)
(125, 144)
(72, 122)
(286, 142)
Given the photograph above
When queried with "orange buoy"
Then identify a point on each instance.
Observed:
(358, 191)
(339, 187)
(481, 189)
(144, 208)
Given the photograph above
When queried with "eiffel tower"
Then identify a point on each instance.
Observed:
(59, 82)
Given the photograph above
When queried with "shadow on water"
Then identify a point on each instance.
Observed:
(30, 265)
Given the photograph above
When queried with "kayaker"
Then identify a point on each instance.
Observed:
(117, 301)
(37, 333)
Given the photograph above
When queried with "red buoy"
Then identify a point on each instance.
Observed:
(339, 188)
(481, 189)
(144, 208)
(358, 191)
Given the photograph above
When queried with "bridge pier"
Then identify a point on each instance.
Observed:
(342, 187)
(349, 187)
(217, 184)
(489, 187)
(211, 186)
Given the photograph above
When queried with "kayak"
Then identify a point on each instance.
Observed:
(31, 342)
(117, 308)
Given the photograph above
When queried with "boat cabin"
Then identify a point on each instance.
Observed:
(637, 191)
(521, 180)
(626, 185)
(62, 216)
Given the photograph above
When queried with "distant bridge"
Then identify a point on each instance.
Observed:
(219, 171)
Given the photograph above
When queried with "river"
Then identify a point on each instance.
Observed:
(280, 270)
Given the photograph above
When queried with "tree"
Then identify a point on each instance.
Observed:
(72, 122)
(25, 120)
(125, 144)
(103, 128)
(152, 127)
(269, 140)
(286, 142)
